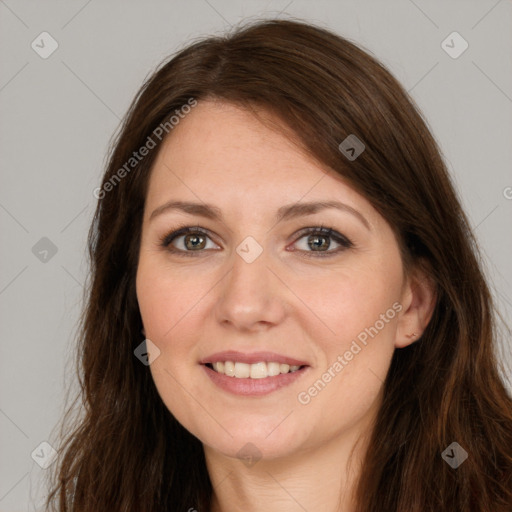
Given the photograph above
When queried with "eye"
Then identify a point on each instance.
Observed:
(192, 241)
(186, 240)
(319, 240)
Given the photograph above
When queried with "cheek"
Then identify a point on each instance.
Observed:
(355, 321)
(351, 302)
(169, 308)
(166, 300)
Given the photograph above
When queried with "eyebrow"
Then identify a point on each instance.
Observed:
(286, 212)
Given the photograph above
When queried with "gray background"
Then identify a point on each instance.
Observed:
(58, 114)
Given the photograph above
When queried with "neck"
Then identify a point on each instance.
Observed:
(320, 478)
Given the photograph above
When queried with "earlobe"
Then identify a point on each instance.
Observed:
(420, 303)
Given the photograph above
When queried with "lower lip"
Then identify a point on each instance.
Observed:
(253, 387)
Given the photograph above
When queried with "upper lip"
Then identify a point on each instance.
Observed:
(252, 357)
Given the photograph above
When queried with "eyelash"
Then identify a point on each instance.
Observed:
(344, 242)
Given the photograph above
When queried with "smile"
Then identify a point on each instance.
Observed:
(260, 370)
(246, 385)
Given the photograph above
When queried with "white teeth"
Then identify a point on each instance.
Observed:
(242, 370)
(229, 368)
(273, 369)
(259, 370)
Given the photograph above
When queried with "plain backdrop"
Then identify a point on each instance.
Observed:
(57, 115)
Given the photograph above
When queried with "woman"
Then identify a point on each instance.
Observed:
(286, 308)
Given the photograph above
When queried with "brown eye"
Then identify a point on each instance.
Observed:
(193, 241)
(187, 240)
(319, 242)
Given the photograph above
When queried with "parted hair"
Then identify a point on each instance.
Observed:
(122, 450)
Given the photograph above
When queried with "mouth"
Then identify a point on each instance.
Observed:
(253, 374)
(259, 370)
(253, 379)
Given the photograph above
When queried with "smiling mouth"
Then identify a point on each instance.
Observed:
(260, 370)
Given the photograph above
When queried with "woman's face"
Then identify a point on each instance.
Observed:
(256, 281)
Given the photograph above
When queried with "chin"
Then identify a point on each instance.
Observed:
(259, 440)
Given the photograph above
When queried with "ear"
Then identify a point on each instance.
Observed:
(418, 301)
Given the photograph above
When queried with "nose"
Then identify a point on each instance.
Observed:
(251, 297)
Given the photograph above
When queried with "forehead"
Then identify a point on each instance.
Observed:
(218, 137)
(221, 153)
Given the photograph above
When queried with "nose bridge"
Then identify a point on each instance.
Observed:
(250, 293)
(250, 265)
(250, 276)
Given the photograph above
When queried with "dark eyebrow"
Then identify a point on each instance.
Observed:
(202, 209)
(287, 212)
(299, 209)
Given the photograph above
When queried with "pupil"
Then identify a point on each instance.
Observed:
(195, 241)
(314, 244)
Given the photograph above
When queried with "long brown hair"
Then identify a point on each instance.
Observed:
(126, 452)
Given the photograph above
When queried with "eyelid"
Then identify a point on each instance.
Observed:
(342, 240)
(186, 229)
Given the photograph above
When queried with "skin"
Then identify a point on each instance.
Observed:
(311, 308)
